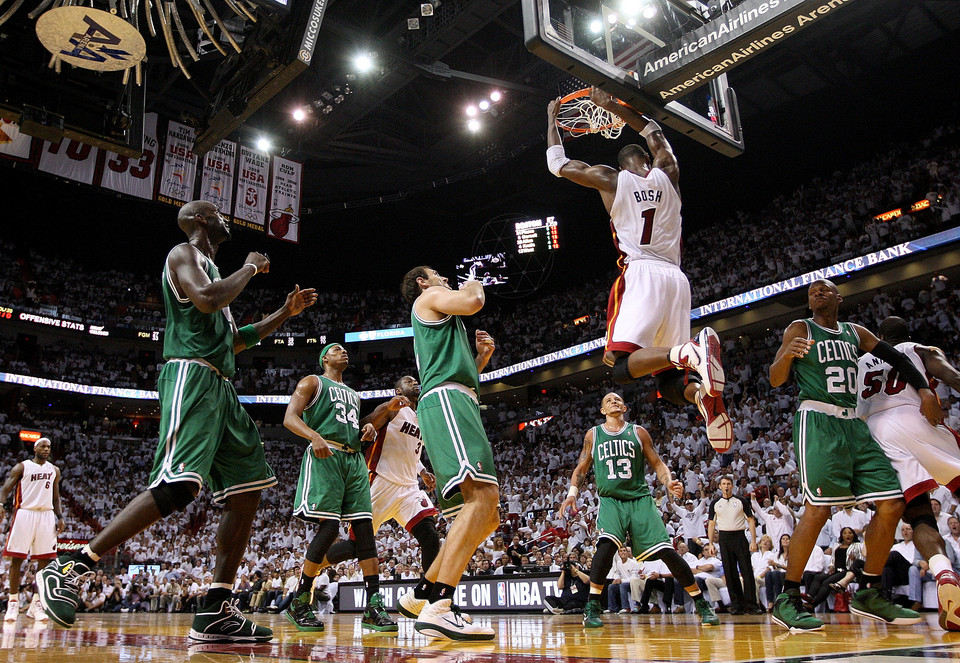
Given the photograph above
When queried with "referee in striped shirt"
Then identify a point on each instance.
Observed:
(733, 514)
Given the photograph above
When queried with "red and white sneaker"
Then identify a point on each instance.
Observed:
(948, 596)
(716, 419)
(702, 356)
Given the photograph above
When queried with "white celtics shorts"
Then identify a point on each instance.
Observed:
(33, 534)
(922, 455)
(649, 307)
(408, 505)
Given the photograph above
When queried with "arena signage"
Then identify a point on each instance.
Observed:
(491, 593)
(900, 211)
(29, 436)
(729, 40)
(378, 334)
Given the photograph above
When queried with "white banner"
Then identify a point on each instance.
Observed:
(216, 181)
(179, 166)
(284, 218)
(134, 177)
(12, 142)
(251, 206)
(69, 158)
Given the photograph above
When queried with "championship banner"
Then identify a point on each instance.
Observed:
(14, 144)
(284, 219)
(70, 159)
(179, 166)
(250, 210)
(216, 181)
(134, 177)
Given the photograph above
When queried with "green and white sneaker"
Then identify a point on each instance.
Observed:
(872, 603)
(301, 614)
(788, 612)
(227, 624)
(591, 614)
(375, 617)
(707, 615)
(58, 584)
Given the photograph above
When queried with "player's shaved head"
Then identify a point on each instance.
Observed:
(894, 330)
(633, 156)
(828, 282)
(187, 218)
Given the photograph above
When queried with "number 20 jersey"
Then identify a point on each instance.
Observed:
(645, 217)
(618, 463)
(880, 386)
(828, 373)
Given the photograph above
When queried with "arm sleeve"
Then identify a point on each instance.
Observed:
(906, 368)
(747, 509)
(712, 512)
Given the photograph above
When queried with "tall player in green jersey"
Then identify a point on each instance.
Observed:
(333, 484)
(619, 452)
(205, 436)
(839, 462)
(453, 435)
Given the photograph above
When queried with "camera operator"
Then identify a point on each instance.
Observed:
(574, 587)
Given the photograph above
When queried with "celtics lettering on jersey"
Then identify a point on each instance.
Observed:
(335, 413)
(828, 373)
(618, 463)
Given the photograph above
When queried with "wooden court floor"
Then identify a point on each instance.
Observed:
(160, 638)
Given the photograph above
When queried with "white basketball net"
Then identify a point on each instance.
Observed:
(581, 115)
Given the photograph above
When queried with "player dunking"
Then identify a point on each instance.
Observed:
(619, 451)
(36, 520)
(205, 436)
(839, 462)
(393, 461)
(648, 314)
(449, 414)
(923, 455)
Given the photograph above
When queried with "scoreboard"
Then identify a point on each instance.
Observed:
(536, 235)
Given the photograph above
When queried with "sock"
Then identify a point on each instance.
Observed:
(87, 555)
(222, 585)
(939, 563)
(595, 594)
(14, 597)
(441, 592)
(216, 596)
(423, 588)
(372, 585)
(870, 580)
(693, 591)
(795, 584)
(306, 585)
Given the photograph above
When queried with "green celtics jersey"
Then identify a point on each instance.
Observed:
(191, 334)
(335, 413)
(443, 353)
(829, 371)
(618, 463)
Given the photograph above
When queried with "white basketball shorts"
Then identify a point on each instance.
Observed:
(922, 455)
(408, 505)
(33, 534)
(649, 307)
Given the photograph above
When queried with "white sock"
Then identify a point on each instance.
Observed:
(939, 563)
(89, 553)
(221, 585)
(15, 598)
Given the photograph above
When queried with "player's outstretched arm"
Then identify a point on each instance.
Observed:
(189, 277)
(5, 493)
(293, 417)
(602, 178)
(795, 344)
(937, 366)
(579, 476)
(297, 300)
(385, 412)
(673, 486)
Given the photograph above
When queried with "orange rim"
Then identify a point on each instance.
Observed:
(587, 129)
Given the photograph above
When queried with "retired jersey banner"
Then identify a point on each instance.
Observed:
(250, 209)
(134, 177)
(179, 166)
(216, 182)
(284, 218)
(69, 158)
(14, 144)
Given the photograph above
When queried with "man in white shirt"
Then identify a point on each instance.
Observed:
(709, 574)
(903, 564)
(655, 577)
(623, 570)
(850, 517)
(777, 518)
(692, 518)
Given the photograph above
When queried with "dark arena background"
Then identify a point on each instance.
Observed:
(351, 140)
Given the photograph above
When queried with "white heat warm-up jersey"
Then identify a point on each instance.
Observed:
(35, 490)
(395, 454)
(645, 217)
(881, 388)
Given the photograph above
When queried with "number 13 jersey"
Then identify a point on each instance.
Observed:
(645, 217)
(618, 463)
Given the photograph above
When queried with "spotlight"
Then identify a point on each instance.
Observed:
(649, 11)
(612, 18)
(363, 62)
(473, 125)
(299, 115)
(631, 7)
(631, 23)
(496, 95)
(263, 145)
(471, 111)
(596, 26)
(484, 105)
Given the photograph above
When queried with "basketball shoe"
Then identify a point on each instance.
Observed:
(58, 585)
(227, 624)
(443, 620)
(789, 613)
(410, 606)
(948, 596)
(301, 614)
(707, 615)
(872, 603)
(13, 611)
(35, 611)
(375, 617)
(591, 614)
(715, 418)
(702, 356)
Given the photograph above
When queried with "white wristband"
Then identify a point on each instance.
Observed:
(256, 270)
(573, 491)
(650, 128)
(556, 159)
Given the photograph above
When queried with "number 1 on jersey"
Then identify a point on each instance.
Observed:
(647, 215)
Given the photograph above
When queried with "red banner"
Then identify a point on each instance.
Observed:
(13, 143)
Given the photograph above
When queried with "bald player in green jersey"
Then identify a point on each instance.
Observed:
(839, 462)
(205, 436)
(453, 435)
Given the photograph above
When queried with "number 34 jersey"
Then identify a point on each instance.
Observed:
(881, 387)
(828, 373)
(334, 412)
(618, 463)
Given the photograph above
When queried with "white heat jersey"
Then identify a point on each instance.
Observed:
(645, 217)
(35, 490)
(395, 454)
(881, 388)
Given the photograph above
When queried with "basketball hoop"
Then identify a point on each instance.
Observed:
(579, 115)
